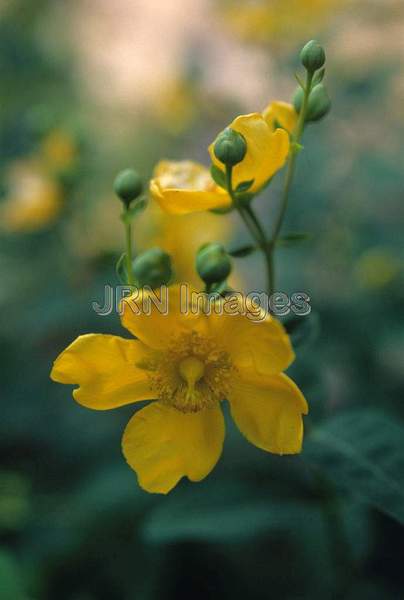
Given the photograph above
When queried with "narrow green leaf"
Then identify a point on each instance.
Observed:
(299, 81)
(120, 269)
(218, 176)
(318, 77)
(137, 207)
(244, 186)
(242, 251)
(362, 452)
(292, 238)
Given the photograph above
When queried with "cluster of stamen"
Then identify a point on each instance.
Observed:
(194, 373)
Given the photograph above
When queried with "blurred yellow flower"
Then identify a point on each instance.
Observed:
(181, 236)
(176, 106)
(268, 20)
(189, 363)
(34, 200)
(377, 268)
(58, 150)
(267, 151)
(182, 187)
(281, 114)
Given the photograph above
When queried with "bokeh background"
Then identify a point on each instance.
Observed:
(90, 87)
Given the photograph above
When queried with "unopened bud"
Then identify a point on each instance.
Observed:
(213, 263)
(230, 147)
(312, 56)
(319, 104)
(152, 268)
(128, 186)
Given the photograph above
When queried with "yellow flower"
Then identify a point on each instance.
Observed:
(182, 187)
(58, 150)
(34, 200)
(267, 151)
(281, 114)
(188, 362)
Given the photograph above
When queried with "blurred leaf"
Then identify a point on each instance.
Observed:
(362, 452)
(223, 512)
(242, 251)
(11, 582)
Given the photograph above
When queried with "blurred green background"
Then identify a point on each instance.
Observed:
(91, 87)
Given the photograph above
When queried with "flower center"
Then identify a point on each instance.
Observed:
(194, 373)
(191, 370)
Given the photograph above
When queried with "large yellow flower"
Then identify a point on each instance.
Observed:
(184, 187)
(267, 151)
(188, 362)
(281, 114)
(34, 199)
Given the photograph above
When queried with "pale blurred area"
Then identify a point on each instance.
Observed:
(133, 55)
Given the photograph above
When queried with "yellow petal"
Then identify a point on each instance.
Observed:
(184, 187)
(163, 444)
(282, 113)
(269, 413)
(105, 368)
(267, 151)
(260, 345)
(158, 317)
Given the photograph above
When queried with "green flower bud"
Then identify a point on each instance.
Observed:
(152, 268)
(128, 186)
(319, 103)
(230, 147)
(213, 263)
(312, 56)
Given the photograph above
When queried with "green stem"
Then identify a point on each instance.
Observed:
(253, 225)
(290, 171)
(128, 233)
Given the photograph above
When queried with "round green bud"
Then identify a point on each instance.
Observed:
(213, 263)
(128, 186)
(312, 56)
(230, 147)
(319, 103)
(152, 268)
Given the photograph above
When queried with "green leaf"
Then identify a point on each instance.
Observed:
(218, 176)
(226, 512)
(296, 148)
(299, 81)
(244, 186)
(135, 208)
(362, 452)
(11, 580)
(242, 251)
(318, 77)
(120, 269)
(292, 238)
